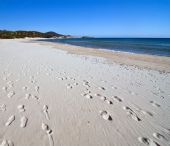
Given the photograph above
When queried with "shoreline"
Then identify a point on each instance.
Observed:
(107, 49)
(159, 63)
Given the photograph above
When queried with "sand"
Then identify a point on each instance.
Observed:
(63, 95)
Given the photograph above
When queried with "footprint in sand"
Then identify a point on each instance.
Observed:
(147, 141)
(37, 88)
(103, 98)
(143, 111)
(69, 86)
(25, 88)
(105, 115)
(131, 113)
(88, 96)
(159, 136)
(86, 83)
(49, 132)
(159, 90)
(114, 88)
(11, 94)
(98, 95)
(6, 143)
(86, 92)
(5, 88)
(35, 97)
(147, 113)
(73, 79)
(10, 120)
(101, 88)
(45, 111)
(2, 108)
(10, 84)
(155, 104)
(23, 122)
(103, 81)
(65, 78)
(32, 79)
(46, 128)
(75, 84)
(27, 96)
(69, 78)
(108, 101)
(21, 108)
(59, 78)
(116, 98)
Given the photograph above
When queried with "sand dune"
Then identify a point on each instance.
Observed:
(49, 97)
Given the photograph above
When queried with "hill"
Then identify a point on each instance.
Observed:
(5, 34)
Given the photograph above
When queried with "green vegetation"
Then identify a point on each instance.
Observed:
(4, 34)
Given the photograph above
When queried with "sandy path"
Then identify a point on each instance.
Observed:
(51, 98)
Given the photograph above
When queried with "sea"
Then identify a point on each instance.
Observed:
(150, 46)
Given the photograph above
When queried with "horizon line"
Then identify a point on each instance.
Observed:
(91, 36)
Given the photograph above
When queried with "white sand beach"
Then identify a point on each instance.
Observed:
(63, 95)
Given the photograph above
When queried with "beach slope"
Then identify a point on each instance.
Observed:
(58, 95)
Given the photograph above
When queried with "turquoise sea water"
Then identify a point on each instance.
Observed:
(152, 46)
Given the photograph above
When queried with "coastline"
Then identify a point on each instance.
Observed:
(159, 63)
(73, 96)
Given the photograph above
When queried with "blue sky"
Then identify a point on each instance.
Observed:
(101, 18)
